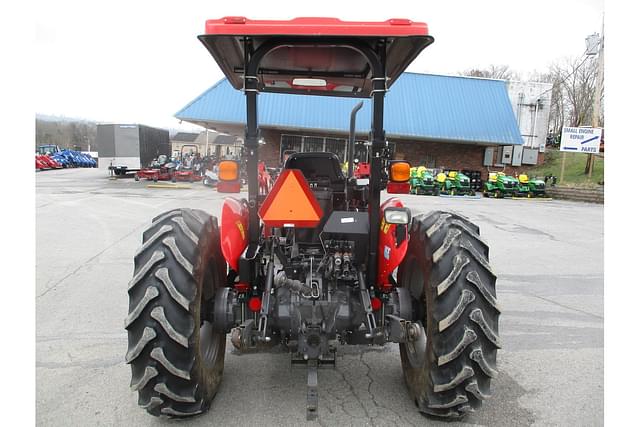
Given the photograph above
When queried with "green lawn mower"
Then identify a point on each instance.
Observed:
(522, 187)
(455, 183)
(530, 187)
(500, 185)
(422, 182)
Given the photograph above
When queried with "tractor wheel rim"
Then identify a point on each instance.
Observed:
(210, 340)
(417, 347)
(209, 344)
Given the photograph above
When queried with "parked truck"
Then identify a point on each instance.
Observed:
(124, 148)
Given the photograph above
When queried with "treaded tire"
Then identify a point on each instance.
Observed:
(453, 294)
(176, 360)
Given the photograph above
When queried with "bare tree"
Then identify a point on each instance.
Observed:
(572, 93)
(577, 80)
(558, 105)
(75, 134)
(502, 72)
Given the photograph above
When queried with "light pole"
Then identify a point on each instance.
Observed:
(206, 144)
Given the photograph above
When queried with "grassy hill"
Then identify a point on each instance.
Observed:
(573, 170)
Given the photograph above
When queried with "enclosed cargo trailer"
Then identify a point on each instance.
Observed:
(124, 148)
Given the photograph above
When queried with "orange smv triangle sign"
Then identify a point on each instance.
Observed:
(290, 203)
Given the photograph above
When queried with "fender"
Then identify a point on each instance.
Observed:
(392, 246)
(234, 235)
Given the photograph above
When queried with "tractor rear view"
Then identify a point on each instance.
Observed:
(318, 261)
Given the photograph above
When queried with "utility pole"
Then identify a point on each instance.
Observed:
(597, 101)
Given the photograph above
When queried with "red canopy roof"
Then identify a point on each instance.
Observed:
(316, 56)
(315, 27)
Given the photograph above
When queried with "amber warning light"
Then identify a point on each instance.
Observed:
(399, 171)
(228, 170)
(291, 203)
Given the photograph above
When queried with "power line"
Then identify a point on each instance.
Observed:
(568, 75)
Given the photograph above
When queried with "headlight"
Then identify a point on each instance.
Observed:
(397, 216)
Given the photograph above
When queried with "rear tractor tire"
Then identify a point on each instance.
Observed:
(176, 357)
(446, 270)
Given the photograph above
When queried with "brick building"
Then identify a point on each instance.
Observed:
(447, 122)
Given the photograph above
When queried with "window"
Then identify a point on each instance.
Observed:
(337, 147)
(307, 144)
(290, 143)
(430, 161)
(313, 143)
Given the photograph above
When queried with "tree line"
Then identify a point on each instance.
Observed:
(572, 94)
(72, 134)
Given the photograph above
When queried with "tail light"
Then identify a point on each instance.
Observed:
(255, 303)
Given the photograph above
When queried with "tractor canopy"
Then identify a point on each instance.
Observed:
(314, 56)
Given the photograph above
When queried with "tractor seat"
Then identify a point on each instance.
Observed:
(319, 169)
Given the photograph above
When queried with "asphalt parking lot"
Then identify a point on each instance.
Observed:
(548, 256)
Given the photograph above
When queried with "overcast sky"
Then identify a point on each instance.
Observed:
(139, 61)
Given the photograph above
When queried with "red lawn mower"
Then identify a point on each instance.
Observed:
(41, 164)
(161, 169)
(47, 161)
(190, 165)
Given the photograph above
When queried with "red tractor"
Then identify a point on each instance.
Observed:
(319, 261)
(363, 170)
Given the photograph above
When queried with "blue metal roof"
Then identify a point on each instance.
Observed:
(421, 106)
